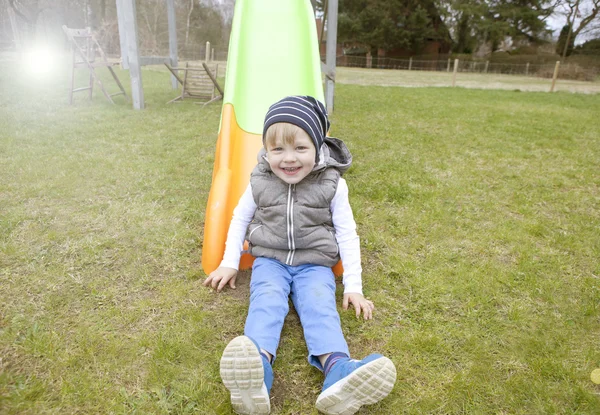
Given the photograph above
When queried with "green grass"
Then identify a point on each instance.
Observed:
(479, 217)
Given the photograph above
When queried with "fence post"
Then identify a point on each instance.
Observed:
(554, 76)
(212, 54)
(527, 69)
(487, 64)
(454, 73)
(448, 69)
(207, 52)
(410, 63)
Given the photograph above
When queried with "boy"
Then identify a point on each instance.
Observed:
(297, 219)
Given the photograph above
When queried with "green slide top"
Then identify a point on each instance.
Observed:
(273, 52)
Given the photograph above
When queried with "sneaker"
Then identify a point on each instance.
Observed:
(248, 375)
(351, 384)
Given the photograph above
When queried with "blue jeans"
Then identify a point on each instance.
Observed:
(312, 288)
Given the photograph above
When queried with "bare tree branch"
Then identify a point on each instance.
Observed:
(12, 4)
(589, 18)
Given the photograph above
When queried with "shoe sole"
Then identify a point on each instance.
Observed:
(365, 386)
(242, 373)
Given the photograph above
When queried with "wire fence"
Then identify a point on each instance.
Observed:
(568, 70)
(573, 71)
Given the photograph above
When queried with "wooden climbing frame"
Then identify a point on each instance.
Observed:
(86, 50)
(199, 82)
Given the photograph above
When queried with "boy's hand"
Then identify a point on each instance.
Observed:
(360, 303)
(220, 277)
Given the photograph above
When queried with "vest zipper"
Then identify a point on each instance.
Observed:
(252, 231)
(290, 224)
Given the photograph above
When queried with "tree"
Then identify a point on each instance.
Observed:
(386, 24)
(28, 12)
(562, 40)
(419, 29)
(198, 21)
(476, 22)
(187, 25)
(591, 47)
(49, 15)
(581, 15)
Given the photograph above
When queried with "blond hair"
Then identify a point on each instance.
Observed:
(283, 132)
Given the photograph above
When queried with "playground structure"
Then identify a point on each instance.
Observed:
(131, 60)
(256, 77)
(86, 50)
(197, 82)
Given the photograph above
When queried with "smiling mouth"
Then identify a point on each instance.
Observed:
(290, 170)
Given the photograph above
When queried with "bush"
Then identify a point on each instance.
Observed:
(537, 59)
(525, 50)
(585, 61)
(591, 47)
(570, 71)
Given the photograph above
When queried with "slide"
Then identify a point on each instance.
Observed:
(273, 52)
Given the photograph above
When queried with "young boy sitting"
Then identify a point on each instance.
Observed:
(298, 221)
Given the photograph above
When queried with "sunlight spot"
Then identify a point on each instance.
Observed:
(40, 61)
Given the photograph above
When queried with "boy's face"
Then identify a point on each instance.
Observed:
(292, 162)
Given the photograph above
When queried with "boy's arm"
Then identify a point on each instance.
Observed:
(349, 244)
(227, 271)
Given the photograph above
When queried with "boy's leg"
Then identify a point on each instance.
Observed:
(269, 293)
(349, 384)
(313, 295)
(245, 369)
(248, 376)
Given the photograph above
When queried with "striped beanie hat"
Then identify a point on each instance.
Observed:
(303, 111)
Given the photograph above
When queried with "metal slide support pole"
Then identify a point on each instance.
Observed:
(135, 73)
(122, 34)
(172, 40)
(331, 52)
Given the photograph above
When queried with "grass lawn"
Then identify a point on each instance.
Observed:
(479, 217)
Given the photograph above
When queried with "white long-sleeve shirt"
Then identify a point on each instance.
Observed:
(343, 222)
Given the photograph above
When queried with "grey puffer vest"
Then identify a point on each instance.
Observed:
(292, 223)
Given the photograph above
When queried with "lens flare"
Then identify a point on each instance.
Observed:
(40, 61)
